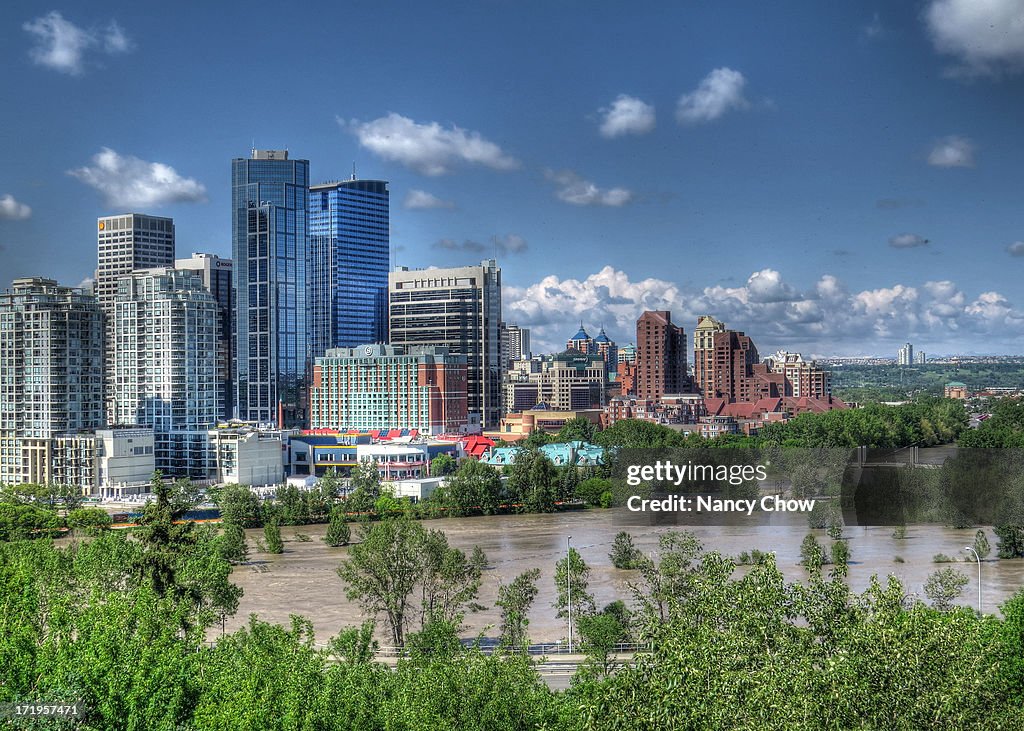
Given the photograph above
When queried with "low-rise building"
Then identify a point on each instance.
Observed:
(248, 454)
(670, 409)
(516, 426)
(957, 390)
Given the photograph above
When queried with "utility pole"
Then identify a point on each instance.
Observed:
(568, 583)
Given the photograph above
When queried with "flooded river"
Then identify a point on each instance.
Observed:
(303, 581)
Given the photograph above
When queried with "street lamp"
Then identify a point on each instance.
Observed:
(976, 556)
(568, 583)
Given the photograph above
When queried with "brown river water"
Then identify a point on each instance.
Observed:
(303, 581)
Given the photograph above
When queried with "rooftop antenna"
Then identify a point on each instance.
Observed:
(353, 170)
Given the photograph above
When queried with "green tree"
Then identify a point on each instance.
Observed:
(272, 537)
(89, 520)
(515, 600)
(398, 561)
(531, 482)
(1009, 541)
(578, 429)
(443, 464)
(591, 490)
(625, 555)
(355, 645)
(601, 634)
(26, 521)
(233, 546)
(338, 531)
(239, 505)
(981, 544)
(943, 587)
(475, 486)
(572, 583)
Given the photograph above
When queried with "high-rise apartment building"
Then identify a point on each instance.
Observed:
(216, 276)
(378, 386)
(457, 308)
(349, 245)
(803, 378)
(905, 355)
(51, 373)
(515, 343)
(166, 376)
(704, 352)
(270, 247)
(920, 358)
(127, 242)
(661, 356)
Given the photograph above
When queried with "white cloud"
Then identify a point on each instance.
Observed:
(952, 152)
(507, 244)
(907, 241)
(13, 210)
(719, 92)
(874, 29)
(986, 36)
(627, 116)
(128, 182)
(62, 46)
(825, 318)
(1016, 248)
(581, 192)
(427, 148)
(419, 199)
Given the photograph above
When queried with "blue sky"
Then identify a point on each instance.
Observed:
(835, 178)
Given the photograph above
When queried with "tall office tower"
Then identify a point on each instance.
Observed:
(905, 356)
(605, 347)
(661, 356)
(127, 242)
(165, 367)
(349, 254)
(515, 344)
(216, 276)
(627, 354)
(704, 352)
(458, 308)
(270, 245)
(51, 373)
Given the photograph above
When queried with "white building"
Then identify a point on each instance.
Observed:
(166, 366)
(396, 461)
(125, 461)
(247, 455)
(905, 355)
(51, 373)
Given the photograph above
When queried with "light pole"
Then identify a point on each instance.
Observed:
(976, 556)
(568, 583)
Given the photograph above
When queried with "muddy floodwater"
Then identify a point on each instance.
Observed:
(303, 581)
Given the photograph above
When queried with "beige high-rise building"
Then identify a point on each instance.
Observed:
(124, 243)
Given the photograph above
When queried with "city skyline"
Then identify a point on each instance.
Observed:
(841, 196)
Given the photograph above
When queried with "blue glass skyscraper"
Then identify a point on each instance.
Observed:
(270, 246)
(349, 234)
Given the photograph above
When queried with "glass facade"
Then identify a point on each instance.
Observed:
(349, 257)
(270, 246)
